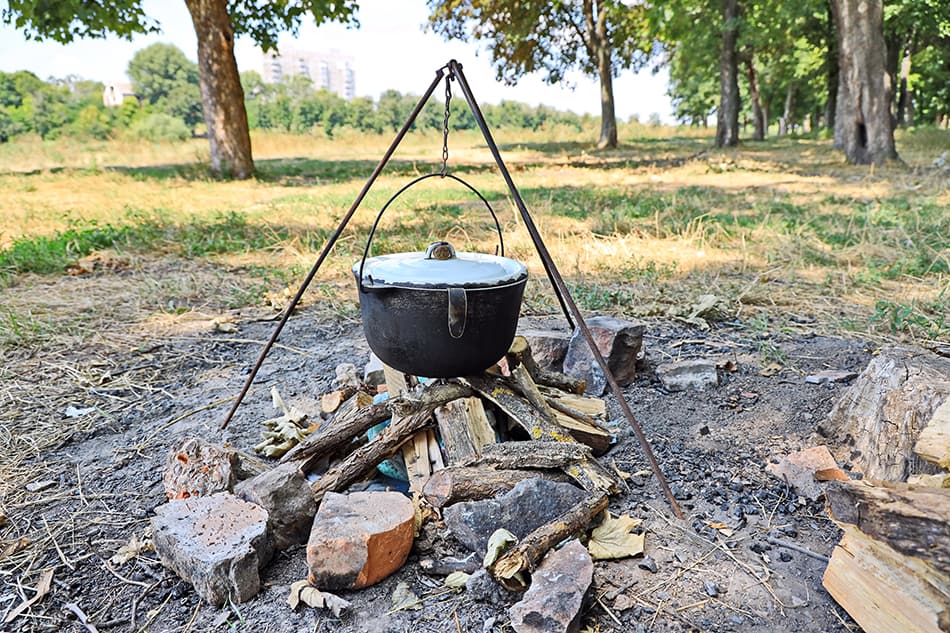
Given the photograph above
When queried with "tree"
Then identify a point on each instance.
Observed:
(727, 119)
(863, 126)
(216, 23)
(600, 37)
(162, 76)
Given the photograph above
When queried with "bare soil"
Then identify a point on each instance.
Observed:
(150, 387)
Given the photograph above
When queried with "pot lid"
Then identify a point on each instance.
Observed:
(440, 266)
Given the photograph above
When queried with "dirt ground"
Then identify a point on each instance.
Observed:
(78, 488)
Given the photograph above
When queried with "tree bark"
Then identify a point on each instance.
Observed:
(831, 60)
(600, 43)
(222, 97)
(863, 121)
(905, 99)
(755, 97)
(727, 120)
(785, 123)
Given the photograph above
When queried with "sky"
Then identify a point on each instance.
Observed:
(391, 50)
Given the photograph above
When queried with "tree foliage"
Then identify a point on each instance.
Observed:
(164, 77)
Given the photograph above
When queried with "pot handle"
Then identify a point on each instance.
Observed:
(458, 307)
(369, 240)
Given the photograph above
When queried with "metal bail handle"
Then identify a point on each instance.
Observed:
(372, 232)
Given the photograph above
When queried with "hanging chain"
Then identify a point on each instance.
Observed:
(445, 125)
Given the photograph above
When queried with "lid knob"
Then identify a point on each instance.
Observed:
(440, 251)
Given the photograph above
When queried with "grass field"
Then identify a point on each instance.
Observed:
(783, 233)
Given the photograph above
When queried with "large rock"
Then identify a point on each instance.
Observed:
(882, 414)
(554, 602)
(218, 543)
(521, 510)
(358, 539)
(620, 343)
(548, 347)
(285, 494)
(694, 374)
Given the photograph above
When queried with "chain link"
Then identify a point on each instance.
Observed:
(445, 125)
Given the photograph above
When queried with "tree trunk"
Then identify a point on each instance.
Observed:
(600, 45)
(863, 119)
(785, 123)
(222, 97)
(727, 122)
(831, 79)
(755, 97)
(905, 99)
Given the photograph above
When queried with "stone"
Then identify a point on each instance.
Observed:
(218, 543)
(196, 468)
(688, 375)
(548, 347)
(359, 538)
(481, 587)
(804, 469)
(553, 603)
(521, 510)
(346, 376)
(373, 372)
(618, 340)
(285, 493)
(830, 375)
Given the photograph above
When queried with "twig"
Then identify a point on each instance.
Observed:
(154, 613)
(127, 581)
(193, 616)
(82, 617)
(797, 548)
(609, 612)
(79, 486)
(62, 556)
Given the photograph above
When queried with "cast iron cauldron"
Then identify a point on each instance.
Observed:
(440, 313)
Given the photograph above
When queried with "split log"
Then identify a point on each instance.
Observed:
(889, 571)
(914, 520)
(472, 483)
(351, 423)
(415, 454)
(497, 391)
(594, 407)
(934, 441)
(883, 412)
(526, 555)
(330, 402)
(575, 460)
(592, 435)
(520, 352)
(464, 427)
(366, 457)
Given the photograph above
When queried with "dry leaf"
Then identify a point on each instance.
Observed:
(42, 588)
(729, 365)
(403, 598)
(131, 549)
(457, 579)
(303, 592)
(15, 546)
(285, 431)
(422, 511)
(222, 325)
(723, 528)
(613, 539)
(770, 370)
(500, 540)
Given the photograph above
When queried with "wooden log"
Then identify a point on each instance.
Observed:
(520, 351)
(594, 407)
(351, 423)
(884, 590)
(882, 414)
(593, 436)
(366, 457)
(497, 390)
(934, 441)
(464, 428)
(914, 520)
(526, 555)
(415, 454)
(330, 402)
(472, 483)
(575, 460)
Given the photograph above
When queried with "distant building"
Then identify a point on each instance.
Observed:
(117, 92)
(331, 70)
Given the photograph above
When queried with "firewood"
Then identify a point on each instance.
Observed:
(415, 454)
(914, 520)
(526, 555)
(520, 351)
(366, 457)
(574, 459)
(592, 435)
(498, 391)
(351, 423)
(330, 402)
(464, 427)
(472, 483)
(934, 441)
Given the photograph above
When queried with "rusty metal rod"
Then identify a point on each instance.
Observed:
(560, 287)
(332, 241)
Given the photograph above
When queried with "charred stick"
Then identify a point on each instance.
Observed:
(526, 555)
